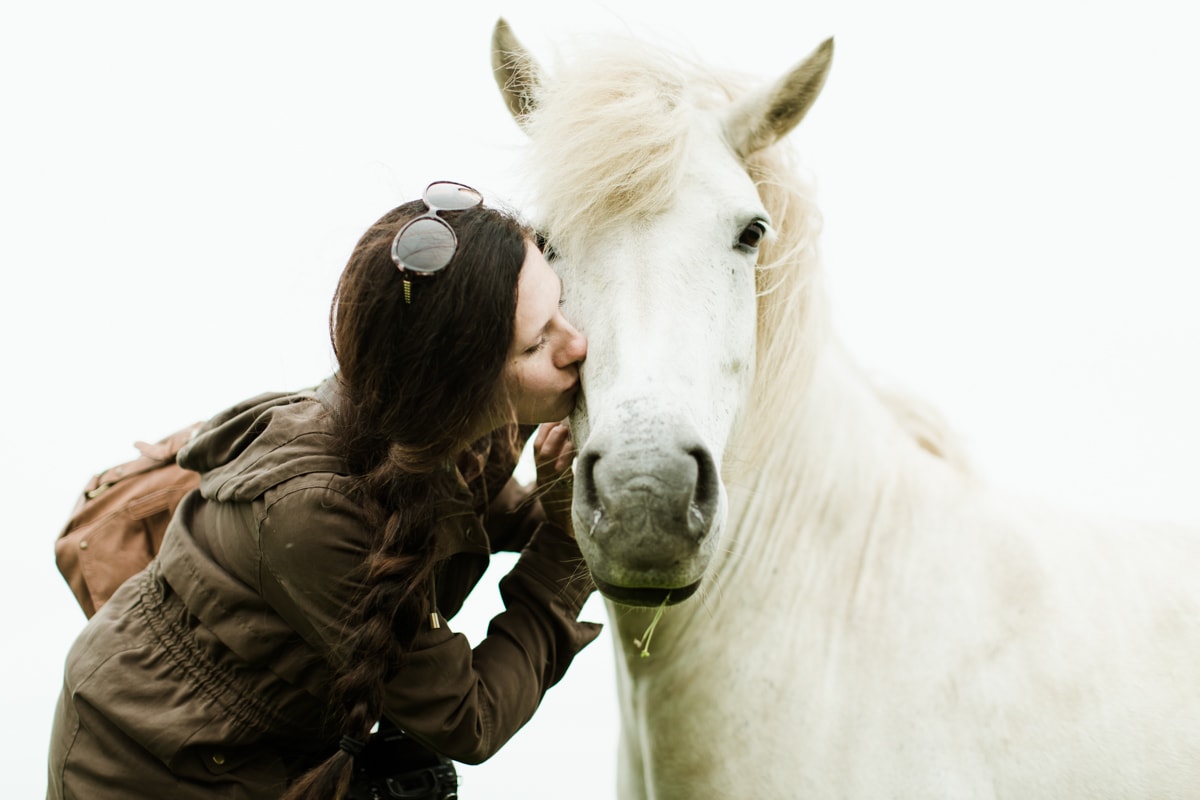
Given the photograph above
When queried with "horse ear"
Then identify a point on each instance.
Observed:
(764, 118)
(517, 73)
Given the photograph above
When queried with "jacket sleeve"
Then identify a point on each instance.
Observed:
(468, 703)
(464, 702)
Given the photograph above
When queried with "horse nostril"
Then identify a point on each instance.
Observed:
(585, 476)
(706, 479)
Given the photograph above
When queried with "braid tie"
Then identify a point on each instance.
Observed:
(351, 745)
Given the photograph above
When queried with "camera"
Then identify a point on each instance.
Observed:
(395, 766)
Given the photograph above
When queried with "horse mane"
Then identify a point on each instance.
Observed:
(793, 311)
(598, 172)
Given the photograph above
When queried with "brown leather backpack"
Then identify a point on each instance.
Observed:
(119, 520)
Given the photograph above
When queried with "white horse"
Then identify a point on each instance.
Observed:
(866, 619)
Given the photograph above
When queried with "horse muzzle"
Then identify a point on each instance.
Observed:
(646, 507)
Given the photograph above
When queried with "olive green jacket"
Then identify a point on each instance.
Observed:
(210, 667)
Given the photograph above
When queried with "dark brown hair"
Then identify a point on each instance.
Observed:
(415, 380)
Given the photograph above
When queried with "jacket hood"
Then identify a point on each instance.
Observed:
(240, 452)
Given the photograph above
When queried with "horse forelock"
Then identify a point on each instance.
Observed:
(610, 134)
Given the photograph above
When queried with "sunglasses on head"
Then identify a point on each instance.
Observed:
(426, 244)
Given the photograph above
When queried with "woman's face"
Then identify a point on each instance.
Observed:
(542, 374)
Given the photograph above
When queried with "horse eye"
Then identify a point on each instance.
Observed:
(752, 235)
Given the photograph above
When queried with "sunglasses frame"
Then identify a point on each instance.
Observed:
(431, 213)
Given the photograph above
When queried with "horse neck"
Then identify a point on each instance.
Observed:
(825, 473)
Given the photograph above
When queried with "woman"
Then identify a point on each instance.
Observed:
(300, 596)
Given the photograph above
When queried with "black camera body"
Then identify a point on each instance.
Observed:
(395, 766)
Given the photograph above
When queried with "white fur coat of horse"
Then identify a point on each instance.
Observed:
(850, 612)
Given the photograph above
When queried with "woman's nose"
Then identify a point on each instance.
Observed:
(576, 348)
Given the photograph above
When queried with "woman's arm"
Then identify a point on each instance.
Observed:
(463, 702)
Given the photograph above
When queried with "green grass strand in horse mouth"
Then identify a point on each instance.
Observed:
(644, 642)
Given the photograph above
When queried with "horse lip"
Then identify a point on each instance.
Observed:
(647, 596)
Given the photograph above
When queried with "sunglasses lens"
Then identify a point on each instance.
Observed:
(425, 245)
(449, 196)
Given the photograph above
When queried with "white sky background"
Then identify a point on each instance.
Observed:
(1011, 214)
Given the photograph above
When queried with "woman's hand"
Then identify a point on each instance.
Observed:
(553, 452)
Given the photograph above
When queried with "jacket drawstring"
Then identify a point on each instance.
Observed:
(434, 622)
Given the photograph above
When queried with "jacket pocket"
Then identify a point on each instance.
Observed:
(256, 771)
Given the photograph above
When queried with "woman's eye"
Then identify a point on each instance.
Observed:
(752, 235)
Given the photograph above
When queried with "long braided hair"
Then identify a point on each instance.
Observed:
(415, 379)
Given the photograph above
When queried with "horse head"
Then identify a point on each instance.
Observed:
(646, 190)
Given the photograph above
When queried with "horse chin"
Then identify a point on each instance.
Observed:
(646, 596)
(645, 567)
